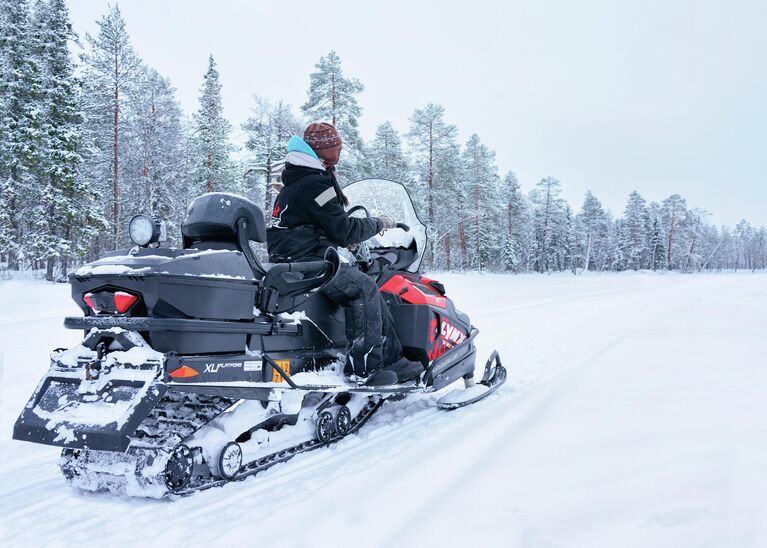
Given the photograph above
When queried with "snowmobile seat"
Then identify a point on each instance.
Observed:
(214, 217)
(219, 220)
(286, 286)
(222, 218)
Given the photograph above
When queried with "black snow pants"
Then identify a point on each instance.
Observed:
(369, 324)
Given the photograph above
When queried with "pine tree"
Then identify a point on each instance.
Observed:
(694, 239)
(268, 130)
(481, 184)
(595, 224)
(634, 237)
(449, 235)
(332, 98)
(658, 246)
(64, 217)
(674, 209)
(550, 222)
(436, 165)
(9, 246)
(708, 248)
(214, 169)
(111, 69)
(759, 243)
(569, 257)
(159, 181)
(386, 157)
(20, 133)
(518, 237)
(743, 234)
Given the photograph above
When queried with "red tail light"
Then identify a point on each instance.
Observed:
(110, 302)
(184, 372)
(123, 301)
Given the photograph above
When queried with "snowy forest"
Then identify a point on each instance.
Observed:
(87, 142)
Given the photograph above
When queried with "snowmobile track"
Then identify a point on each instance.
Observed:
(281, 456)
(155, 442)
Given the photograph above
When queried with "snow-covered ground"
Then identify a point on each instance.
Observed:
(635, 415)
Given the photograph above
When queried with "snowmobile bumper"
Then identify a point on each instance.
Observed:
(92, 400)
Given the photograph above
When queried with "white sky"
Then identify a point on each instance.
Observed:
(657, 96)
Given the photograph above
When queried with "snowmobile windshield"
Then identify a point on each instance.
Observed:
(382, 197)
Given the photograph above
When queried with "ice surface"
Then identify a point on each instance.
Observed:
(634, 416)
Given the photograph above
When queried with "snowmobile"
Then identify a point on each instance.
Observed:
(204, 365)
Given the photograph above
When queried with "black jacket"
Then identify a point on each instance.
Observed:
(308, 218)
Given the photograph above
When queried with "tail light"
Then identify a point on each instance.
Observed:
(110, 302)
(123, 301)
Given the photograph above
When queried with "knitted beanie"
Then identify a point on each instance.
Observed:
(321, 135)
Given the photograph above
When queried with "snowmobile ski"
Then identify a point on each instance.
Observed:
(493, 378)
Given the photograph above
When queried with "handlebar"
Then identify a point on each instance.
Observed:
(359, 208)
(365, 210)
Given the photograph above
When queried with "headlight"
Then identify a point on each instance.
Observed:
(143, 230)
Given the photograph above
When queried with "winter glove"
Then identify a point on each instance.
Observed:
(386, 222)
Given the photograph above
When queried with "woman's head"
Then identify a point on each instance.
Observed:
(325, 141)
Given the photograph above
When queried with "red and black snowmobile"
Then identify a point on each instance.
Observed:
(202, 365)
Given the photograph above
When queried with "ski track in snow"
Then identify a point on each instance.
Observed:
(580, 448)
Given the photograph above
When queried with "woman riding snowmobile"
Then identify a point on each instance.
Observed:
(307, 218)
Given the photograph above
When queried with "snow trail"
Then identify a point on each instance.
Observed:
(633, 416)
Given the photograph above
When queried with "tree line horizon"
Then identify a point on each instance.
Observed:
(86, 144)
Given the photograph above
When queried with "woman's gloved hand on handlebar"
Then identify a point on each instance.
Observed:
(386, 222)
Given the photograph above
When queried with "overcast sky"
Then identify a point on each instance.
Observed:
(662, 97)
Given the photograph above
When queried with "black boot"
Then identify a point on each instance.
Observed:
(382, 377)
(405, 370)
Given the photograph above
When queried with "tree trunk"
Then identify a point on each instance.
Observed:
(692, 246)
(478, 213)
(268, 189)
(430, 185)
(210, 170)
(447, 250)
(50, 262)
(758, 253)
(704, 265)
(429, 178)
(588, 254)
(671, 234)
(13, 259)
(511, 221)
(115, 160)
(544, 264)
(65, 258)
(333, 96)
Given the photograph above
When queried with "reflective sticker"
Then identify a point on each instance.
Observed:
(251, 365)
(325, 196)
(282, 364)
